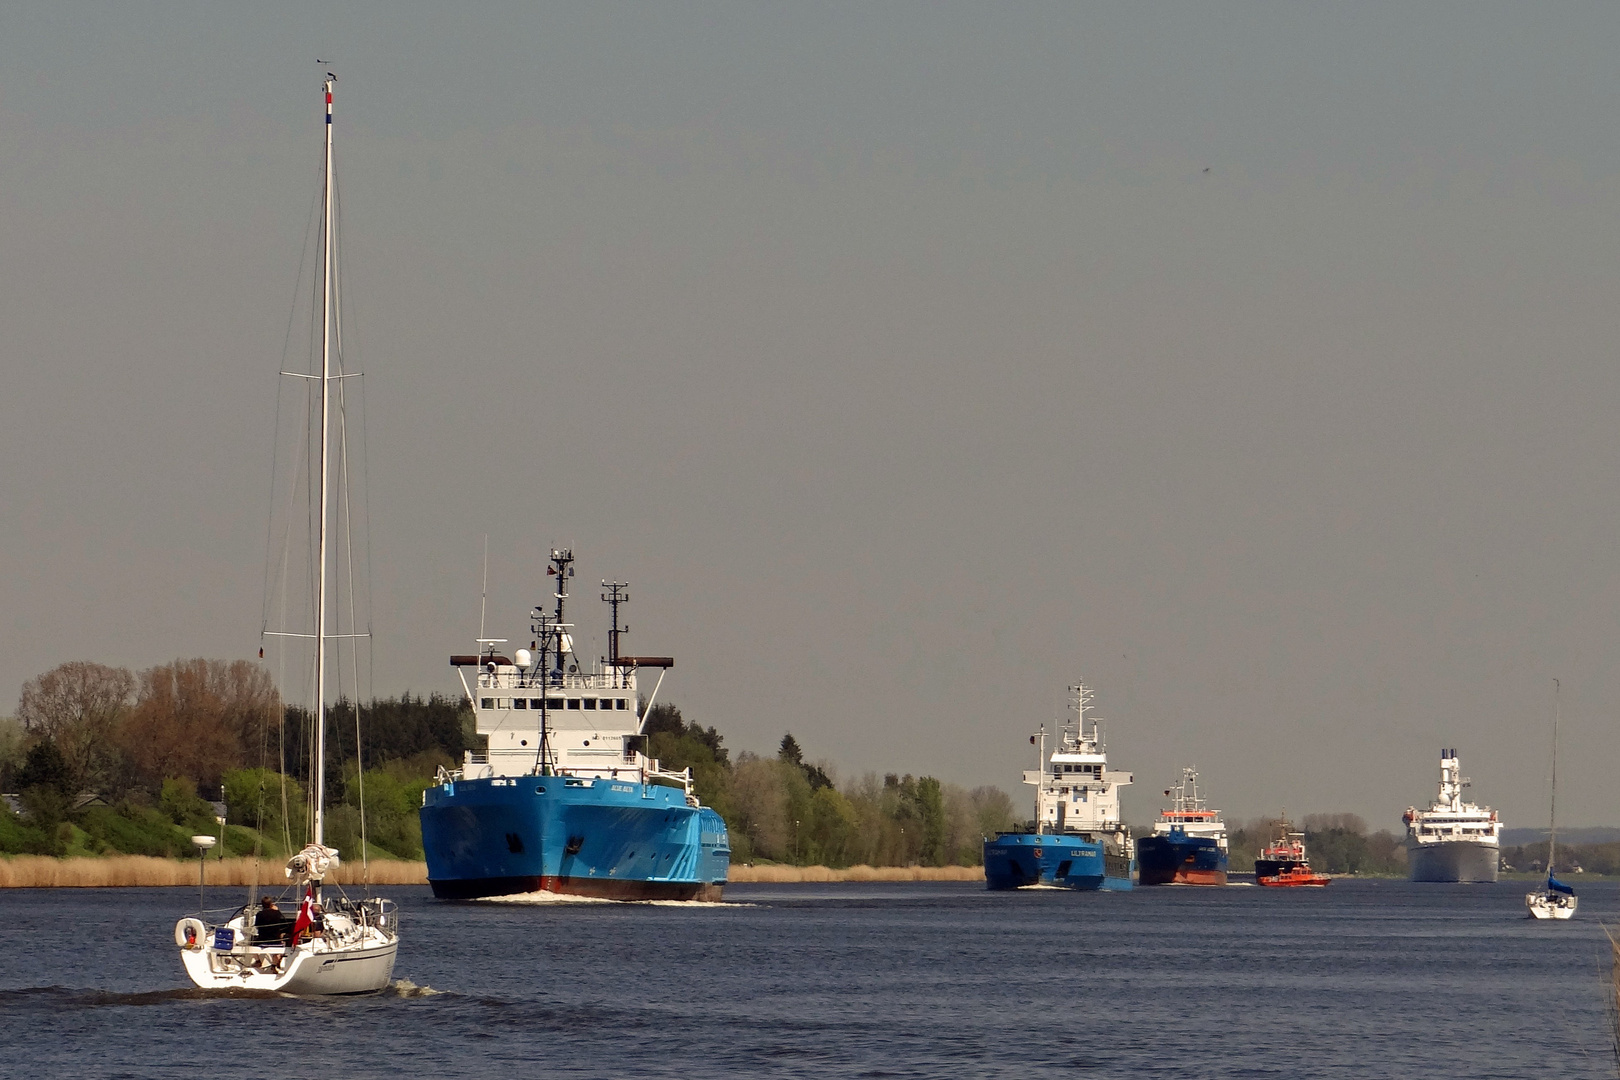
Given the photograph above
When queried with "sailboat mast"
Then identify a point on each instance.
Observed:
(1552, 824)
(326, 449)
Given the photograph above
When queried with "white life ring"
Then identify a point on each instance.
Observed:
(197, 938)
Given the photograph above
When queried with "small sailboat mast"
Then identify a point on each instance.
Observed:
(319, 769)
(1552, 824)
(1556, 900)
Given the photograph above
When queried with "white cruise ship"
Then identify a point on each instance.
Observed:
(1452, 840)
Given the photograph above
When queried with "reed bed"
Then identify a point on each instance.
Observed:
(790, 874)
(43, 872)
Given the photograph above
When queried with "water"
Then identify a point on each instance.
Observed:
(1363, 979)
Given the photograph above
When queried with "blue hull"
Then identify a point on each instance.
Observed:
(1018, 860)
(1179, 859)
(608, 838)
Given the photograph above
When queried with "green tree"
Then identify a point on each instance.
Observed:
(830, 828)
(678, 745)
(271, 804)
(180, 801)
(931, 811)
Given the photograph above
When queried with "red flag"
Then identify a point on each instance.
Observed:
(549, 570)
(306, 916)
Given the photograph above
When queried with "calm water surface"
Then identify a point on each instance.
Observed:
(1363, 979)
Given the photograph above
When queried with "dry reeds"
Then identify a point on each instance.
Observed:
(43, 872)
(789, 874)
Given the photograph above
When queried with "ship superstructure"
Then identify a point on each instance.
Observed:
(1077, 839)
(564, 798)
(1452, 840)
(1188, 844)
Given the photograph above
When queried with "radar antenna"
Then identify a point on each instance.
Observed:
(1080, 701)
(618, 593)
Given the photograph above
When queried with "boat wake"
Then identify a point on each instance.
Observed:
(404, 988)
(67, 997)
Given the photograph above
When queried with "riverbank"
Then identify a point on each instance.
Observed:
(114, 871)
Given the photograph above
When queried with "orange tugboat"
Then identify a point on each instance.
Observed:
(1282, 862)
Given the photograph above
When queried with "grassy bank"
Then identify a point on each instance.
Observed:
(43, 872)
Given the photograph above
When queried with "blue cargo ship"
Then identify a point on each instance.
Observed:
(1188, 844)
(564, 798)
(1077, 840)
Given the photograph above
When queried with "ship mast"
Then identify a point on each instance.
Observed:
(551, 636)
(1041, 763)
(326, 450)
(618, 593)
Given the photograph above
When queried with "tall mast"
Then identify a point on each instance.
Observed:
(1552, 826)
(326, 449)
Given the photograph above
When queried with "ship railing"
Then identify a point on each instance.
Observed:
(526, 680)
(683, 778)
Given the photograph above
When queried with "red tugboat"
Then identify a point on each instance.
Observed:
(1282, 862)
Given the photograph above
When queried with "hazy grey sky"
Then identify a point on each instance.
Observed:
(904, 357)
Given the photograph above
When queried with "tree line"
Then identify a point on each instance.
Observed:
(102, 760)
(107, 760)
(786, 809)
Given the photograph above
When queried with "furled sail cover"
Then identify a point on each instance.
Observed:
(1558, 886)
(313, 863)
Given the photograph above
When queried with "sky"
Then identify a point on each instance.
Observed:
(1254, 363)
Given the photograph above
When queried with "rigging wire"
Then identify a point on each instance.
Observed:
(346, 486)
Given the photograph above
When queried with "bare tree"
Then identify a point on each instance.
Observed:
(78, 706)
(194, 719)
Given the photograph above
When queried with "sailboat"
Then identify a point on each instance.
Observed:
(335, 945)
(1556, 900)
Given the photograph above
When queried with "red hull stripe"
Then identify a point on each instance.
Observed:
(1184, 877)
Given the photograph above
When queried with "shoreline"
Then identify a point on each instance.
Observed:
(776, 874)
(142, 871)
(136, 871)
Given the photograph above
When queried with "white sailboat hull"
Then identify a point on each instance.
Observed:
(359, 968)
(1549, 905)
(1453, 860)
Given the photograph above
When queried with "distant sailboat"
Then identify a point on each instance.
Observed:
(1556, 900)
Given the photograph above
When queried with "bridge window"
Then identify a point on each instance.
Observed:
(573, 703)
(619, 703)
(555, 704)
(520, 703)
(590, 703)
(486, 703)
(534, 703)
